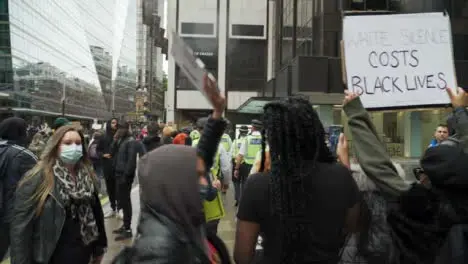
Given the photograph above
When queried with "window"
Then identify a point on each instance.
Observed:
(4, 6)
(248, 30)
(460, 47)
(197, 28)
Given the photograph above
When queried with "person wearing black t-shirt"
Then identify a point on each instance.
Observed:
(305, 206)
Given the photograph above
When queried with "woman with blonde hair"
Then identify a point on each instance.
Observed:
(167, 135)
(57, 214)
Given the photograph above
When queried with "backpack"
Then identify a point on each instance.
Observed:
(4, 163)
(3, 169)
(93, 151)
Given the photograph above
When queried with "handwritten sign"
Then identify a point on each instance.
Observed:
(188, 62)
(399, 60)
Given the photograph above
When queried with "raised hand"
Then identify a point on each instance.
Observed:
(213, 94)
(458, 98)
(349, 96)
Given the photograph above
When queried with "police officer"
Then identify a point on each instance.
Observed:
(236, 144)
(247, 152)
(221, 166)
(195, 134)
(226, 140)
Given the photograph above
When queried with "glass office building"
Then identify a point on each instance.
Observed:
(80, 52)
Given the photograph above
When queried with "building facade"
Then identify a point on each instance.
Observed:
(150, 90)
(305, 58)
(76, 58)
(231, 39)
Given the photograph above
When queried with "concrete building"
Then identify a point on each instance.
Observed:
(304, 58)
(231, 39)
(150, 59)
(75, 57)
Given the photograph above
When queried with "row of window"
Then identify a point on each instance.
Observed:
(309, 36)
(209, 29)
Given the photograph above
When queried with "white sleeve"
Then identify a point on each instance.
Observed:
(225, 165)
(258, 159)
(233, 147)
(243, 147)
(230, 143)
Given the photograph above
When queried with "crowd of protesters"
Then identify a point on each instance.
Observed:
(302, 202)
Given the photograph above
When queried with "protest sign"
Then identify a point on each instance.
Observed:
(192, 67)
(400, 60)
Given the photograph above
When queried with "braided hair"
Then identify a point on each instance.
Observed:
(296, 138)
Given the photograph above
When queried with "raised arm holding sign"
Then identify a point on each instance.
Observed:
(189, 64)
(399, 60)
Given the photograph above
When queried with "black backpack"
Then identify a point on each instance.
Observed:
(4, 162)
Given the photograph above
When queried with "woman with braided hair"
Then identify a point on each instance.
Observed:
(305, 206)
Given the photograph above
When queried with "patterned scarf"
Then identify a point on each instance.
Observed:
(77, 193)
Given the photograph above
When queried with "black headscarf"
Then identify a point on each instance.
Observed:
(169, 185)
(446, 166)
(109, 131)
(14, 129)
(426, 215)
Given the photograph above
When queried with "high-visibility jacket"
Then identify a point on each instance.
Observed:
(213, 210)
(226, 142)
(253, 145)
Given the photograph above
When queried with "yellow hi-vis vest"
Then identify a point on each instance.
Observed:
(226, 142)
(214, 210)
(236, 145)
(254, 144)
(194, 135)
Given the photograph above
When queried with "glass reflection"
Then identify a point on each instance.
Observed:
(85, 48)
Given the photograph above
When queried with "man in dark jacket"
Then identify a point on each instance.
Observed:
(105, 147)
(125, 166)
(153, 140)
(15, 161)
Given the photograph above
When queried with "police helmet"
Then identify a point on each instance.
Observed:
(244, 129)
(257, 124)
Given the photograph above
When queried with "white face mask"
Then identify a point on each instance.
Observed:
(71, 154)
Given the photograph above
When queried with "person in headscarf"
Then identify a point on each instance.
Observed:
(15, 161)
(428, 219)
(172, 221)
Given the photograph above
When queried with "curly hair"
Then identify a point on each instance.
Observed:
(296, 138)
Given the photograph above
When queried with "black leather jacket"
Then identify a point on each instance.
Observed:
(33, 239)
(160, 241)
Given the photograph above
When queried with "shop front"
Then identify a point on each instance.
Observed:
(406, 133)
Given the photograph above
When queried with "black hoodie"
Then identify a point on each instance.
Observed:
(151, 142)
(105, 142)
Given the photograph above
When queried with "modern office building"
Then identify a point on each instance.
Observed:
(150, 90)
(230, 36)
(72, 57)
(304, 58)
